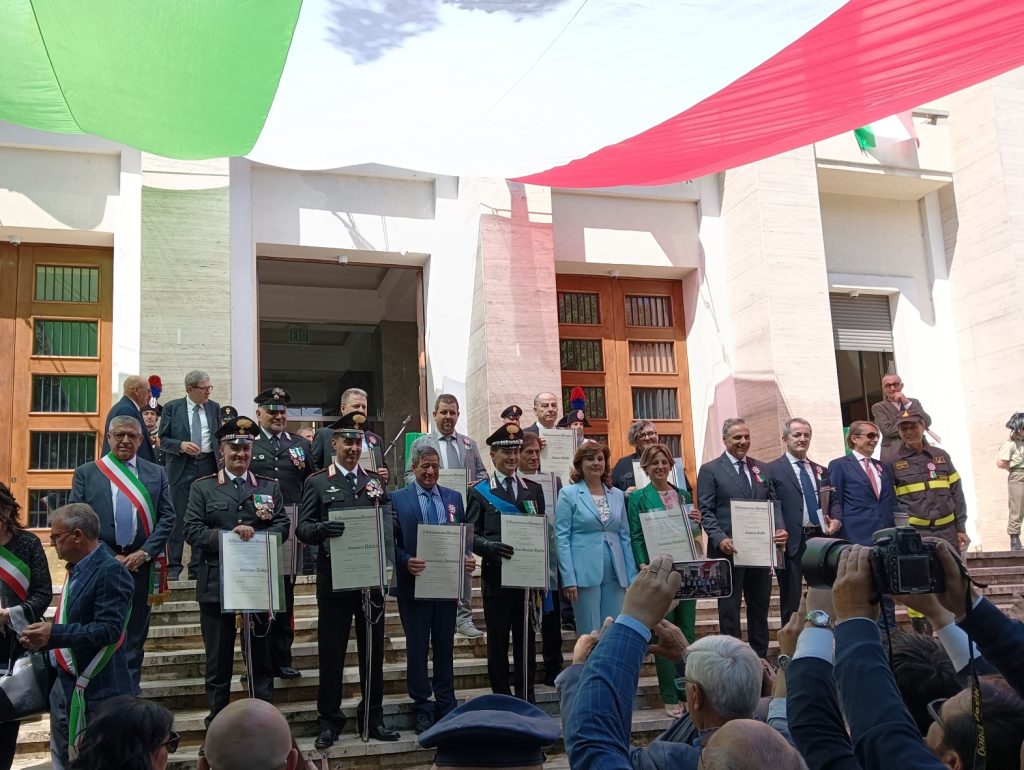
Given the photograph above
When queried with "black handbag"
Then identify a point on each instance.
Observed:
(24, 684)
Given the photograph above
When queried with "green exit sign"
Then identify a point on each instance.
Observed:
(298, 334)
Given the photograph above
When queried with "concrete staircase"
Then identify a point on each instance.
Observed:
(173, 676)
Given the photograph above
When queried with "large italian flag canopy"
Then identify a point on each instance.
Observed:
(567, 93)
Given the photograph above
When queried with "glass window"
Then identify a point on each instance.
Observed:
(655, 404)
(51, 393)
(860, 381)
(652, 357)
(595, 408)
(672, 442)
(61, 450)
(578, 308)
(65, 338)
(42, 502)
(581, 356)
(648, 311)
(64, 283)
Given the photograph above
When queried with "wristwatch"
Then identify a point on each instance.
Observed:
(820, 619)
(146, 556)
(784, 661)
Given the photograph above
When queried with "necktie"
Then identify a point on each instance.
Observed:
(452, 452)
(871, 476)
(197, 428)
(744, 481)
(810, 494)
(237, 481)
(275, 443)
(509, 489)
(351, 479)
(123, 514)
(425, 506)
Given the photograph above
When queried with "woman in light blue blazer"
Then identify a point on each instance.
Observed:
(592, 536)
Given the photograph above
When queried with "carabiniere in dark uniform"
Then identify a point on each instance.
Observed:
(233, 499)
(287, 458)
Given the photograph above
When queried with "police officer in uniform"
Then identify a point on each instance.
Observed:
(928, 484)
(288, 459)
(512, 414)
(227, 412)
(344, 484)
(504, 492)
(235, 500)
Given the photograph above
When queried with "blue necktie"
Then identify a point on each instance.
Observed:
(123, 514)
(810, 494)
(428, 506)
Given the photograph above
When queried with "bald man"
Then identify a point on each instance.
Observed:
(249, 734)
(136, 396)
(746, 743)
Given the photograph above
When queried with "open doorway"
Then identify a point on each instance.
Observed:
(326, 327)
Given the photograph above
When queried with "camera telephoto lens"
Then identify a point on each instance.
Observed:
(821, 560)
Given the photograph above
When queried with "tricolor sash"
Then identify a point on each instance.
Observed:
(500, 503)
(66, 660)
(121, 476)
(15, 573)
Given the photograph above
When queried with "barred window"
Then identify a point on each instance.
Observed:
(648, 311)
(52, 337)
(578, 308)
(63, 283)
(581, 356)
(53, 393)
(61, 450)
(595, 407)
(655, 404)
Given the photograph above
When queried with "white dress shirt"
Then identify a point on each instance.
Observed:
(746, 468)
(794, 463)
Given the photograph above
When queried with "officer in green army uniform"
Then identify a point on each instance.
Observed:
(928, 484)
(288, 459)
(235, 500)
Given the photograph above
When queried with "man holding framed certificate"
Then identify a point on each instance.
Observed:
(234, 500)
(430, 559)
(507, 610)
(345, 510)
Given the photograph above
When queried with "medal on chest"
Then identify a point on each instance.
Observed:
(264, 505)
(298, 457)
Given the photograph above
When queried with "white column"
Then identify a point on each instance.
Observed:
(245, 367)
(127, 299)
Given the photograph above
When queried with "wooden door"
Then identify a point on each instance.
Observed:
(623, 341)
(59, 382)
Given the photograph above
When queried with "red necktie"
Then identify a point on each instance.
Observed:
(871, 476)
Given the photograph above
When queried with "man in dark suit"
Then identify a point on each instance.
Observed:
(133, 502)
(864, 496)
(545, 406)
(90, 621)
(504, 493)
(188, 428)
(232, 500)
(886, 413)
(135, 398)
(426, 621)
(734, 476)
(288, 459)
(346, 484)
(371, 457)
(801, 490)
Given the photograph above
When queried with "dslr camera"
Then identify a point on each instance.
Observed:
(901, 562)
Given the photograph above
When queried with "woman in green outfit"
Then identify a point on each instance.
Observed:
(663, 495)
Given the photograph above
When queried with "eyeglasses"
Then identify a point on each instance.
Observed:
(207, 389)
(649, 434)
(122, 436)
(682, 681)
(56, 536)
(890, 385)
(869, 436)
(935, 711)
(171, 743)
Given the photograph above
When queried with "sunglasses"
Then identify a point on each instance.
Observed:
(935, 711)
(870, 436)
(172, 743)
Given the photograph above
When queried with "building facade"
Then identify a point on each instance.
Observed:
(785, 287)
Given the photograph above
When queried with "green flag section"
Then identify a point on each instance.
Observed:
(895, 128)
(181, 78)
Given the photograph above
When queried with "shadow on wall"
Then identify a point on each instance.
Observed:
(764, 410)
(368, 29)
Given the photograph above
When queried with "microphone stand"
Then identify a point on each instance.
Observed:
(398, 435)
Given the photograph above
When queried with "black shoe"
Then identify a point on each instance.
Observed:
(423, 723)
(326, 738)
(549, 677)
(382, 733)
(570, 627)
(1015, 543)
(921, 626)
(287, 672)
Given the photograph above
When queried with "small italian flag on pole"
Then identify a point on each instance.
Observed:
(891, 130)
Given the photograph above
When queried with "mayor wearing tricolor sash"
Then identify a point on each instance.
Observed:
(132, 499)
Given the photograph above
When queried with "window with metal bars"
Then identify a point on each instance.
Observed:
(655, 404)
(581, 355)
(595, 407)
(43, 502)
(65, 283)
(60, 450)
(652, 357)
(580, 308)
(52, 337)
(52, 393)
(648, 311)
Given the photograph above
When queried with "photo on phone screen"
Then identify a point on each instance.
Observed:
(706, 579)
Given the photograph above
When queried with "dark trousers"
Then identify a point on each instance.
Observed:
(195, 467)
(754, 585)
(503, 613)
(138, 624)
(8, 743)
(335, 614)
(281, 632)
(551, 638)
(219, 640)
(429, 623)
(791, 581)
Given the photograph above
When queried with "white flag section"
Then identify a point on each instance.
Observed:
(505, 88)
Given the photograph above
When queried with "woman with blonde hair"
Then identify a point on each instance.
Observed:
(592, 536)
(662, 495)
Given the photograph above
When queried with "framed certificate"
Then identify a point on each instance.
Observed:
(291, 549)
(455, 478)
(443, 548)
(528, 567)
(357, 557)
(668, 532)
(559, 449)
(753, 530)
(251, 578)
